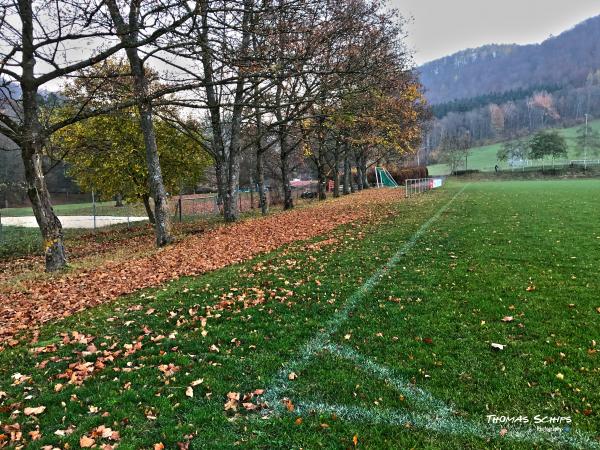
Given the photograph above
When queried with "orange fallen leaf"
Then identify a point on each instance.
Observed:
(288, 404)
(34, 411)
(86, 442)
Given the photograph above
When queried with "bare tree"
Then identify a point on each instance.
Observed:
(37, 42)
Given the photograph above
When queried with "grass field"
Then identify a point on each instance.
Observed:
(377, 337)
(484, 158)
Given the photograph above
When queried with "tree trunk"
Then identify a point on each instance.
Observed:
(347, 175)
(288, 200)
(231, 209)
(322, 179)
(32, 141)
(359, 175)
(363, 168)
(128, 34)
(162, 220)
(149, 212)
(336, 171)
(50, 226)
(220, 174)
(260, 175)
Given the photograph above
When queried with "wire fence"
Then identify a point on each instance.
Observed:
(88, 211)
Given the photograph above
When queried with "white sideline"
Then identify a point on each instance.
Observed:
(321, 339)
(440, 417)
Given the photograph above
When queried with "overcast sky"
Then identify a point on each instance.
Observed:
(442, 27)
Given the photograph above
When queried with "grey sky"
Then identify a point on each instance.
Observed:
(442, 27)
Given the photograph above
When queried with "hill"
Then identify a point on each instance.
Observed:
(483, 158)
(565, 60)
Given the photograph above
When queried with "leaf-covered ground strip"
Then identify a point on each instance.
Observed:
(27, 301)
(410, 364)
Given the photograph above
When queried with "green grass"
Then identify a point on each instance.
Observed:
(430, 322)
(484, 158)
(81, 209)
(17, 241)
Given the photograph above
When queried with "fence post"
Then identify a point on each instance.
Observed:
(180, 206)
(1, 235)
(251, 197)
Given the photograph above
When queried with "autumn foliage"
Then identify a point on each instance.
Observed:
(36, 302)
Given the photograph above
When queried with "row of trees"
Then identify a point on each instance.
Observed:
(514, 119)
(550, 144)
(158, 88)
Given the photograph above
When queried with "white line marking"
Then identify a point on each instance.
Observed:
(439, 419)
(321, 339)
(420, 397)
(446, 425)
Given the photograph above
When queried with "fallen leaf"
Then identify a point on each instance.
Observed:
(560, 376)
(35, 435)
(292, 376)
(288, 404)
(355, 440)
(86, 442)
(34, 411)
(497, 346)
(159, 446)
(189, 392)
(508, 319)
(232, 401)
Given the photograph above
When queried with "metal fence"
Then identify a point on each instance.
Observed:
(196, 205)
(83, 211)
(88, 211)
(417, 186)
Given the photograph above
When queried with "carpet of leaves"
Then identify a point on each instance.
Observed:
(37, 301)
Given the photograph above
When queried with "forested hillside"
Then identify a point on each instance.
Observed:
(502, 92)
(559, 61)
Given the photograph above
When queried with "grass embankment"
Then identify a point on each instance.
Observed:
(520, 251)
(484, 158)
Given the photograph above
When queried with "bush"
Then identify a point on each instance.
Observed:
(464, 172)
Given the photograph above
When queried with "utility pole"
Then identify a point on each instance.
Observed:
(585, 142)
